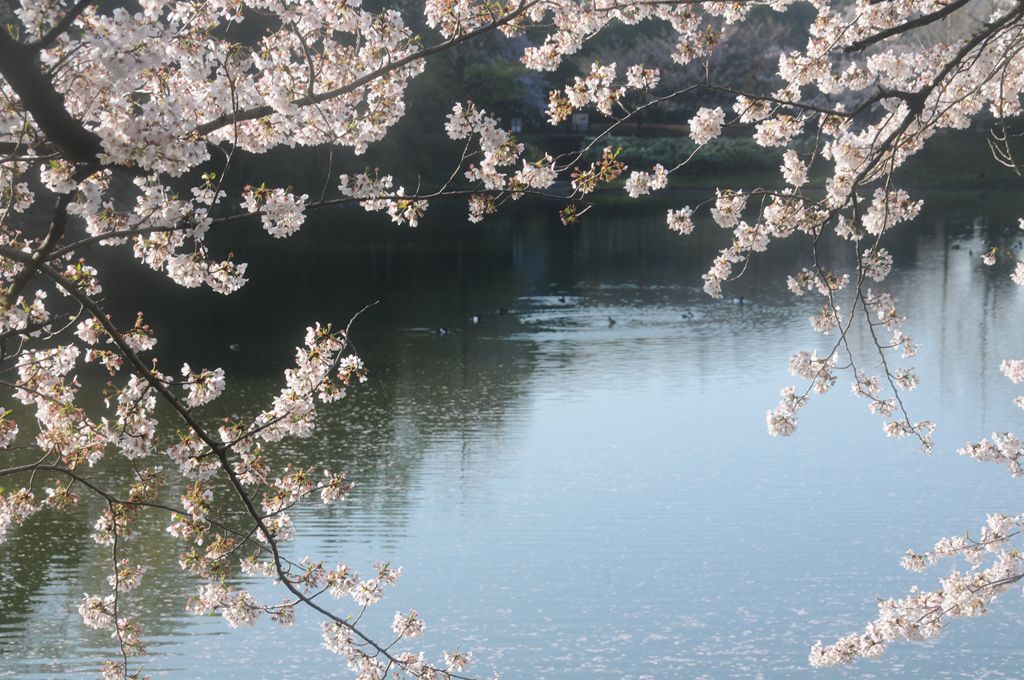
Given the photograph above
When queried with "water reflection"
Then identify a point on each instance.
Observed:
(573, 498)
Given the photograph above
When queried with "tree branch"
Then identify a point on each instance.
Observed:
(266, 110)
(60, 27)
(923, 20)
(219, 448)
(53, 236)
(20, 67)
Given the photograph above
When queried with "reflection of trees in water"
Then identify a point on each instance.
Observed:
(426, 391)
(447, 270)
(41, 554)
(50, 561)
(431, 400)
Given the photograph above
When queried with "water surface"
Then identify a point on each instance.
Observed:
(572, 498)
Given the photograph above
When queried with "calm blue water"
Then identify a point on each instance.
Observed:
(572, 499)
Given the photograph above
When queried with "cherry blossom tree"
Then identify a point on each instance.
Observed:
(113, 115)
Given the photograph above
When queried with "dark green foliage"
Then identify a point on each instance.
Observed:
(723, 153)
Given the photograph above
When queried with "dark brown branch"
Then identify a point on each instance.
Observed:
(923, 20)
(20, 67)
(53, 236)
(61, 27)
(325, 203)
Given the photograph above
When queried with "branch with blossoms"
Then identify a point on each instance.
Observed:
(995, 565)
(88, 148)
(292, 415)
(885, 148)
(943, 89)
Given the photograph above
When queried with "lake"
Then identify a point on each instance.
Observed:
(572, 498)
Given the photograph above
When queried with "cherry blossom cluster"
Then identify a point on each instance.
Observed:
(280, 211)
(1002, 447)
(994, 565)
(374, 194)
